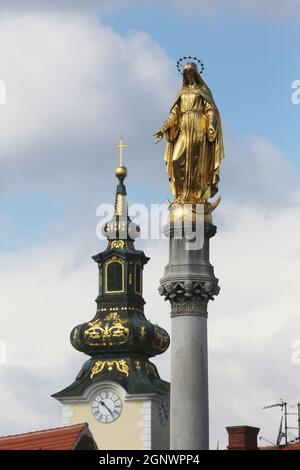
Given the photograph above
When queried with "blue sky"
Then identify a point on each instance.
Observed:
(28, 215)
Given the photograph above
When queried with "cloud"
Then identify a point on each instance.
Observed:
(35, 329)
(73, 86)
(68, 98)
(255, 171)
(258, 8)
(25, 403)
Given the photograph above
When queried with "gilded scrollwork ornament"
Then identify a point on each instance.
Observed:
(111, 331)
(121, 365)
(119, 244)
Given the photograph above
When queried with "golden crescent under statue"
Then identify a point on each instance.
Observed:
(194, 149)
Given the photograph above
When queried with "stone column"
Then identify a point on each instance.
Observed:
(189, 283)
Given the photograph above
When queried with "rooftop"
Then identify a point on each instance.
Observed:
(73, 437)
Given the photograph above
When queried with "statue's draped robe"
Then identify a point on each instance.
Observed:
(193, 158)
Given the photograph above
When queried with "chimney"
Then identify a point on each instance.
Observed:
(242, 438)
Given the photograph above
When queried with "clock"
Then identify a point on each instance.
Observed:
(106, 406)
(164, 412)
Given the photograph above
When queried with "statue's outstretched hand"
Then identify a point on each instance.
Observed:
(158, 136)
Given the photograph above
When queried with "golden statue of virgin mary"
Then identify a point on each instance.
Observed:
(194, 148)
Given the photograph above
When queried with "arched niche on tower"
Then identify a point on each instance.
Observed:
(114, 269)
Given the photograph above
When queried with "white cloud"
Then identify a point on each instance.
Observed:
(253, 170)
(72, 87)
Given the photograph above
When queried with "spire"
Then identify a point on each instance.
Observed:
(121, 173)
(120, 227)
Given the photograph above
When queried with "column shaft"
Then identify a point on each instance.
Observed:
(189, 384)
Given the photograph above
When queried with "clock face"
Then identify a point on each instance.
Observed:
(106, 407)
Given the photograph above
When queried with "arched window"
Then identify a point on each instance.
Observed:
(114, 276)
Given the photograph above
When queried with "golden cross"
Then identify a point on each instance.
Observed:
(121, 146)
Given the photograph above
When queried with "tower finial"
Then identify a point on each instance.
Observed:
(121, 171)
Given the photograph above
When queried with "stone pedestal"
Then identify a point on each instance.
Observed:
(189, 283)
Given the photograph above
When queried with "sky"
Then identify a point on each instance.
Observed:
(79, 74)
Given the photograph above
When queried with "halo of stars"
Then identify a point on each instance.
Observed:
(179, 63)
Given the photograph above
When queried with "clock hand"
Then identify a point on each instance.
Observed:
(105, 406)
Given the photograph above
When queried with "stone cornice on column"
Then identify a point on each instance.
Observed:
(189, 297)
(189, 281)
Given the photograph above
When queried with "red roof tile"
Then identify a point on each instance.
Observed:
(64, 438)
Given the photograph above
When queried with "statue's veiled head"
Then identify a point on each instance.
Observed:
(191, 74)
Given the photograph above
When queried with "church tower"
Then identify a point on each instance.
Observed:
(118, 391)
